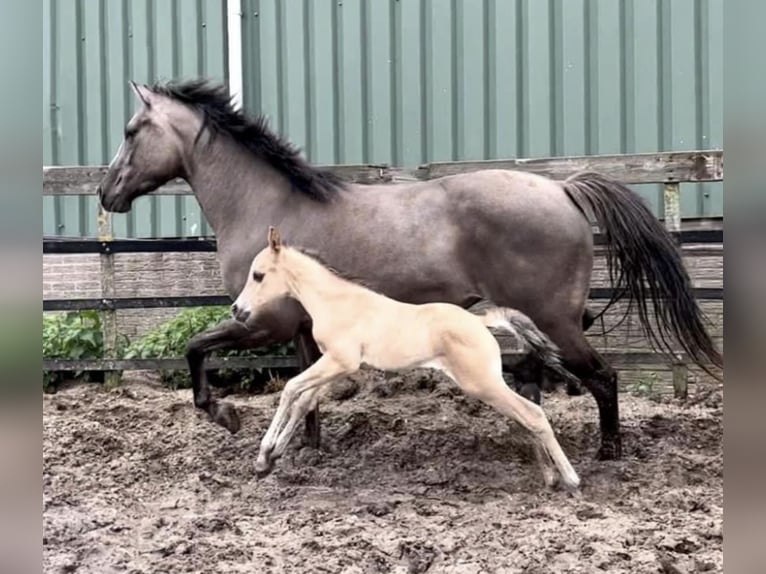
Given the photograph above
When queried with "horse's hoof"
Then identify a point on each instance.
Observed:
(226, 415)
(574, 390)
(611, 450)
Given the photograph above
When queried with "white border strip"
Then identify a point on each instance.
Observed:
(234, 29)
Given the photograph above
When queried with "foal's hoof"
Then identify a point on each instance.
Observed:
(550, 477)
(263, 468)
(225, 415)
(572, 490)
(571, 482)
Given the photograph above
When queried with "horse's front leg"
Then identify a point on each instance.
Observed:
(229, 334)
(308, 353)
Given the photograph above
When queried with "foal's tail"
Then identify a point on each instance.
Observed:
(517, 323)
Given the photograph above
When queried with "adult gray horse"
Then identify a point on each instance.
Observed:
(515, 239)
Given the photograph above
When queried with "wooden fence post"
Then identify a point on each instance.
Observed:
(108, 316)
(673, 206)
(680, 379)
(673, 224)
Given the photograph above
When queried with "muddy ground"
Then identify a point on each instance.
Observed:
(412, 477)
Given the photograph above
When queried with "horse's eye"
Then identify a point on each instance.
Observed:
(257, 277)
(130, 133)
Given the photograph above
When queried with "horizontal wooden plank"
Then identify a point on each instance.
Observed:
(83, 180)
(107, 304)
(263, 362)
(621, 358)
(684, 166)
(689, 251)
(690, 166)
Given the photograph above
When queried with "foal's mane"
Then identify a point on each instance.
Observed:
(213, 102)
(311, 254)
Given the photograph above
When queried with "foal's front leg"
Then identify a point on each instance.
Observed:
(304, 404)
(326, 369)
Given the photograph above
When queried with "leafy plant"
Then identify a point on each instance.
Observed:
(646, 386)
(169, 340)
(78, 335)
(72, 335)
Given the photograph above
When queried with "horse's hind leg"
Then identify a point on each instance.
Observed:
(527, 376)
(581, 359)
(588, 318)
(601, 380)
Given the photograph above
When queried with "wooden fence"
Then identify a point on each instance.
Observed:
(667, 168)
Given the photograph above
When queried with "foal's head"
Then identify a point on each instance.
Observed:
(266, 281)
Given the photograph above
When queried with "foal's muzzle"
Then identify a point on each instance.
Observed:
(239, 314)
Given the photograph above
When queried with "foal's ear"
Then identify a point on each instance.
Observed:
(143, 93)
(275, 242)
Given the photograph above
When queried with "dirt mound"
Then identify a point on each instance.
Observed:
(412, 477)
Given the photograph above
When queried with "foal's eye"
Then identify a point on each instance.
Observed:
(257, 277)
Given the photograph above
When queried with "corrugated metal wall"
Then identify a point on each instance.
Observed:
(91, 49)
(410, 81)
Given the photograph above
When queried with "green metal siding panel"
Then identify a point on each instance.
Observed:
(91, 50)
(411, 81)
(398, 81)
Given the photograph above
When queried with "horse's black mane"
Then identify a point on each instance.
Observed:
(214, 103)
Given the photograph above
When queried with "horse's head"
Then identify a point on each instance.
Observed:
(151, 154)
(266, 282)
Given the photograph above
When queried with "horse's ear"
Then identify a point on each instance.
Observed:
(275, 242)
(143, 93)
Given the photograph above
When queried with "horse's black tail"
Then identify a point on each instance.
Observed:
(649, 263)
(541, 347)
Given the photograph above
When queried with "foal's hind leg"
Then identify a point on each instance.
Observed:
(479, 380)
(527, 377)
(531, 417)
